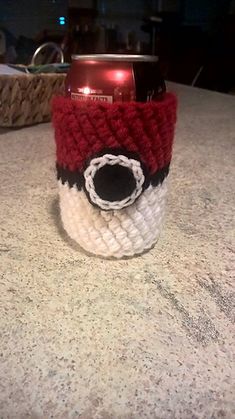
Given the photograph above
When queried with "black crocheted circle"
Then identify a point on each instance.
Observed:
(114, 182)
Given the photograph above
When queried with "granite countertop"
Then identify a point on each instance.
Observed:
(148, 337)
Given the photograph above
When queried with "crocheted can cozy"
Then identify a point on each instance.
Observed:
(112, 167)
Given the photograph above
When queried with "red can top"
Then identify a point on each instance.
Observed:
(112, 77)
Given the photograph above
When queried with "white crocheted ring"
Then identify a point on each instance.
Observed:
(109, 159)
(114, 233)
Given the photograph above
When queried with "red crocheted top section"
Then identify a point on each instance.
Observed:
(84, 129)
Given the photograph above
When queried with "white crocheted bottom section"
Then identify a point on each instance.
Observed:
(116, 233)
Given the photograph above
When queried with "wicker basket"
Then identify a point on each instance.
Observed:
(25, 98)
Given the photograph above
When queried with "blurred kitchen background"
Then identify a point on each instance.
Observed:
(194, 39)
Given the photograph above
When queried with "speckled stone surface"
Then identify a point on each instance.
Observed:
(149, 337)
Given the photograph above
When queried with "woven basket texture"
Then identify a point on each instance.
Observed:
(25, 99)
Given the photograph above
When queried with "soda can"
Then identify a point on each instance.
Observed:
(115, 78)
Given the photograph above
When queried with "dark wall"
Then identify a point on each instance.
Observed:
(29, 17)
(204, 12)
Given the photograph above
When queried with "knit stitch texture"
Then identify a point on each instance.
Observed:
(83, 129)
